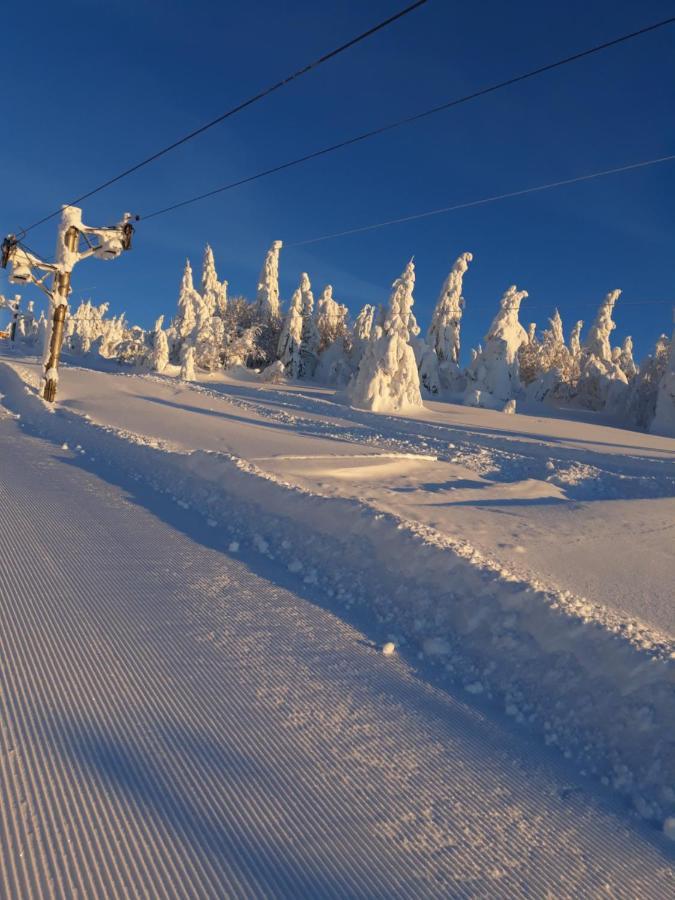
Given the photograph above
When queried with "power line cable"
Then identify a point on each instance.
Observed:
(241, 106)
(410, 119)
(485, 200)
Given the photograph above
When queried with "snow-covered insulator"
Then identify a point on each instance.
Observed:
(111, 246)
(21, 271)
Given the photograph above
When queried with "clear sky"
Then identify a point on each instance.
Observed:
(91, 87)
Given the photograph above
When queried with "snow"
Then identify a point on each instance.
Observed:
(508, 550)
(388, 648)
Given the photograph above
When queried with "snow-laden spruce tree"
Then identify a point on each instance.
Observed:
(334, 365)
(214, 292)
(528, 356)
(601, 378)
(575, 339)
(626, 361)
(597, 340)
(643, 392)
(387, 379)
(331, 319)
(493, 376)
(187, 363)
(290, 339)
(267, 295)
(209, 341)
(664, 414)
(311, 340)
(189, 304)
(444, 333)
(160, 347)
(363, 326)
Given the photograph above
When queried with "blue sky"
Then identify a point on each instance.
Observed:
(91, 87)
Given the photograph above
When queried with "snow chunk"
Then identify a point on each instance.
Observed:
(389, 648)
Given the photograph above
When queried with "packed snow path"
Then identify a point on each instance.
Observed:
(175, 724)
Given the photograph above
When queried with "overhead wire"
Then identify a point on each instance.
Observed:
(236, 109)
(484, 200)
(409, 119)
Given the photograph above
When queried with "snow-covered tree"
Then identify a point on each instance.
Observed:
(444, 333)
(267, 297)
(214, 292)
(311, 339)
(575, 339)
(189, 304)
(187, 363)
(601, 378)
(387, 379)
(626, 361)
(528, 356)
(428, 367)
(664, 414)
(331, 319)
(160, 347)
(209, 341)
(290, 339)
(243, 349)
(597, 341)
(493, 376)
(641, 401)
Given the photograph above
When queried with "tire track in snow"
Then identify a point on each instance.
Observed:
(184, 728)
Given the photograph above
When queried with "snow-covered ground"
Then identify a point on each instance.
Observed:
(522, 563)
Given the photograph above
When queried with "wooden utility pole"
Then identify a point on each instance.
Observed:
(65, 258)
(111, 241)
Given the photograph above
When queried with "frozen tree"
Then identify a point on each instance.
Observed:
(209, 341)
(626, 361)
(597, 341)
(387, 379)
(553, 351)
(575, 339)
(189, 304)
(443, 335)
(311, 339)
(364, 324)
(643, 392)
(267, 297)
(331, 319)
(664, 414)
(214, 292)
(160, 347)
(493, 376)
(187, 363)
(601, 379)
(363, 327)
(428, 367)
(243, 349)
(528, 356)
(290, 339)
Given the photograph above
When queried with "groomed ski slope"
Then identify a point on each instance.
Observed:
(184, 720)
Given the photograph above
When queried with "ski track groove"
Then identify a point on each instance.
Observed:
(93, 839)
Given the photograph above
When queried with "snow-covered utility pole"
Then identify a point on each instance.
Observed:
(109, 242)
